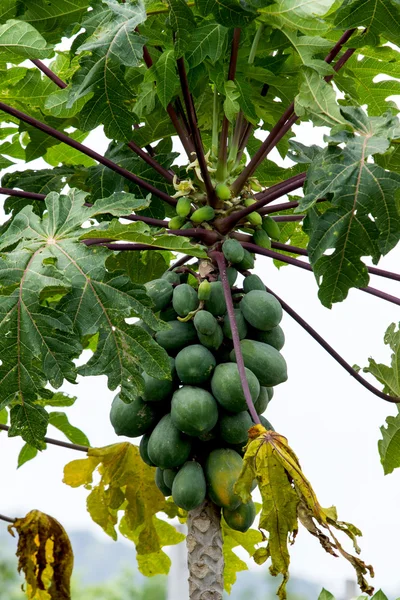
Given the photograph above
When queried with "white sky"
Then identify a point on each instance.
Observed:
(331, 422)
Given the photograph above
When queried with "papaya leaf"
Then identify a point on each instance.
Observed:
(30, 422)
(27, 453)
(126, 485)
(230, 13)
(166, 77)
(378, 16)
(3, 416)
(208, 40)
(19, 41)
(233, 539)
(298, 15)
(318, 99)
(325, 595)
(59, 420)
(388, 376)
(44, 556)
(287, 497)
(142, 233)
(183, 23)
(141, 267)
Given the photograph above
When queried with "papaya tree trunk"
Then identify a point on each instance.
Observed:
(205, 558)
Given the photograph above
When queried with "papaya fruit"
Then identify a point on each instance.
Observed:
(274, 337)
(176, 222)
(227, 388)
(216, 303)
(270, 391)
(184, 299)
(247, 263)
(194, 365)
(261, 239)
(240, 324)
(168, 447)
(212, 342)
(271, 227)
(261, 309)
(205, 322)
(168, 314)
(144, 442)
(160, 291)
(172, 277)
(193, 410)
(205, 213)
(160, 483)
(222, 470)
(233, 251)
(132, 419)
(253, 282)
(233, 429)
(204, 290)
(267, 364)
(254, 218)
(223, 191)
(262, 401)
(176, 338)
(158, 390)
(265, 423)
(189, 486)
(242, 518)
(183, 206)
(169, 476)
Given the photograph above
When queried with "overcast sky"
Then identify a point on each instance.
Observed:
(331, 422)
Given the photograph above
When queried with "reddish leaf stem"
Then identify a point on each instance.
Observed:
(288, 218)
(151, 162)
(21, 194)
(57, 442)
(49, 73)
(220, 260)
(7, 519)
(332, 352)
(198, 144)
(88, 151)
(181, 261)
(287, 119)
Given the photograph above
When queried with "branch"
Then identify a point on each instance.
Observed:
(57, 442)
(222, 155)
(276, 191)
(307, 267)
(88, 151)
(287, 119)
(220, 260)
(198, 144)
(332, 352)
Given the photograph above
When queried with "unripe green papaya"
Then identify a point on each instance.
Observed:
(242, 518)
(176, 222)
(254, 218)
(261, 239)
(247, 263)
(194, 365)
(189, 486)
(169, 476)
(271, 227)
(172, 277)
(160, 483)
(267, 364)
(213, 341)
(223, 192)
(183, 206)
(253, 282)
(132, 419)
(205, 213)
(176, 338)
(262, 401)
(184, 299)
(168, 447)
(233, 250)
(187, 225)
(168, 314)
(193, 410)
(222, 470)
(249, 202)
(144, 442)
(205, 322)
(160, 291)
(227, 388)
(240, 323)
(265, 423)
(233, 429)
(261, 309)
(204, 290)
(158, 390)
(216, 304)
(275, 337)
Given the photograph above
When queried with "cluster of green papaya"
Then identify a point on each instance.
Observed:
(195, 425)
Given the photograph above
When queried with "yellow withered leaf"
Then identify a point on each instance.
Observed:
(287, 498)
(127, 486)
(44, 556)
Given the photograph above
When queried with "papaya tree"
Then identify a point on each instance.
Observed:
(143, 256)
